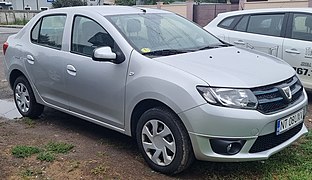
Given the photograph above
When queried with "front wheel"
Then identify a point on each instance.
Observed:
(25, 99)
(163, 141)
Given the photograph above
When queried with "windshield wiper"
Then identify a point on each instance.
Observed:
(165, 52)
(215, 46)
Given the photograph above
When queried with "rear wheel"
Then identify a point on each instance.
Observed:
(163, 141)
(25, 100)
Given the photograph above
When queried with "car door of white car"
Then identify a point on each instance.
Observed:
(96, 89)
(262, 32)
(297, 48)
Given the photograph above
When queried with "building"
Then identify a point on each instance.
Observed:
(259, 4)
(42, 4)
(27, 4)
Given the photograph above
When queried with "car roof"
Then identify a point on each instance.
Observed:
(108, 10)
(268, 10)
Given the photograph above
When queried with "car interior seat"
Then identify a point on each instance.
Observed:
(133, 29)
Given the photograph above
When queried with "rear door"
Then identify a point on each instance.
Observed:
(43, 59)
(262, 32)
(297, 49)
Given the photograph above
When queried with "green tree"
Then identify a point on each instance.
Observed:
(68, 3)
(125, 2)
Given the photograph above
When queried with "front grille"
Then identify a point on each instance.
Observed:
(271, 98)
(272, 140)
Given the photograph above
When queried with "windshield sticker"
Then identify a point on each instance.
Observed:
(145, 50)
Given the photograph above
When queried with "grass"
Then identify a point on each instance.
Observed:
(17, 22)
(59, 147)
(47, 154)
(29, 122)
(30, 172)
(24, 151)
(100, 170)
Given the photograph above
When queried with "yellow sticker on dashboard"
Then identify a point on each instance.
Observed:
(145, 50)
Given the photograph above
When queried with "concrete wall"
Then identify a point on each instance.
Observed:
(276, 4)
(101, 2)
(180, 9)
(10, 17)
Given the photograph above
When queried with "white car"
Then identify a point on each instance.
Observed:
(285, 33)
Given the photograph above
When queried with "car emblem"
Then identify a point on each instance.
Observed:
(287, 93)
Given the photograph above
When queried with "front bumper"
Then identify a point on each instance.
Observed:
(207, 122)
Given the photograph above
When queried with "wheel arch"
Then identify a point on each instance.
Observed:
(142, 107)
(14, 75)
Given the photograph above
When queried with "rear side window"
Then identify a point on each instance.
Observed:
(227, 23)
(48, 31)
(88, 35)
(242, 24)
(268, 24)
(35, 32)
(302, 27)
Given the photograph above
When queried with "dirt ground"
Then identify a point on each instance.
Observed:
(99, 153)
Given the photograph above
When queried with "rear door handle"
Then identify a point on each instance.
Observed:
(239, 42)
(292, 51)
(30, 59)
(71, 70)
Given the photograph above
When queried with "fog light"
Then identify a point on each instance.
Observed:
(227, 146)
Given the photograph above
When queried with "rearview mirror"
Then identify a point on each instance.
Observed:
(103, 54)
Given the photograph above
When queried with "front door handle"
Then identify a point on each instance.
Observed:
(292, 51)
(71, 70)
(30, 59)
(239, 42)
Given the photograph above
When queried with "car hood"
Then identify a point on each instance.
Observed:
(231, 67)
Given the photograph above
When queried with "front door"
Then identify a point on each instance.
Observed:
(297, 49)
(95, 89)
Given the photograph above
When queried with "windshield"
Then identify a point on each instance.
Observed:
(163, 34)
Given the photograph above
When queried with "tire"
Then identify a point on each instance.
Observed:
(25, 100)
(171, 141)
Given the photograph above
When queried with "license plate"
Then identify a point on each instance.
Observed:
(289, 122)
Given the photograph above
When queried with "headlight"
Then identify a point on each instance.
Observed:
(235, 98)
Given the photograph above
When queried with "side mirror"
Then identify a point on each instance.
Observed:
(104, 54)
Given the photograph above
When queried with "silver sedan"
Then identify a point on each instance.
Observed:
(155, 76)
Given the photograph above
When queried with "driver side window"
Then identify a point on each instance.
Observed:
(88, 35)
